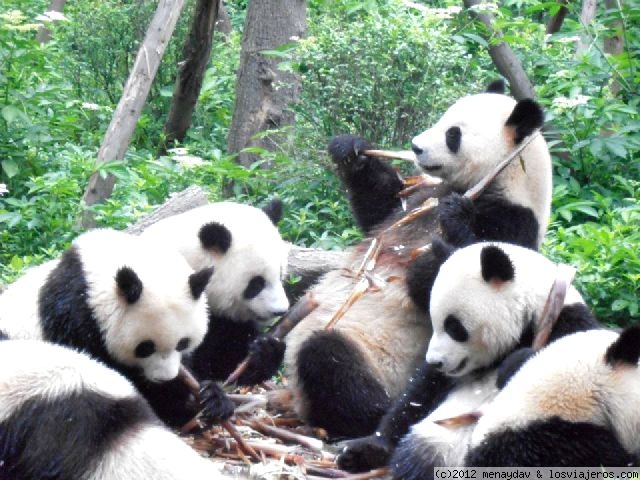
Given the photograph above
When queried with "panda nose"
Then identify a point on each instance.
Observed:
(416, 149)
(436, 365)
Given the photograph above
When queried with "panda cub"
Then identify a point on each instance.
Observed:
(485, 303)
(367, 359)
(133, 306)
(575, 403)
(244, 246)
(65, 416)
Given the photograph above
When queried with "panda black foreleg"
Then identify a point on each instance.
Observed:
(265, 357)
(340, 392)
(372, 184)
(552, 442)
(510, 365)
(426, 389)
(490, 217)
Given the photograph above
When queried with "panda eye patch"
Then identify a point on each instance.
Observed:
(145, 349)
(452, 137)
(183, 344)
(454, 328)
(254, 287)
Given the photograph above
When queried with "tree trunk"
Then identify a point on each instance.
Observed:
(504, 58)
(125, 117)
(556, 21)
(195, 57)
(44, 34)
(263, 92)
(587, 15)
(223, 24)
(614, 43)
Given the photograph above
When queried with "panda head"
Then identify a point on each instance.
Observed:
(245, 247)
(475, 134)
(148, 302)
(484, 300)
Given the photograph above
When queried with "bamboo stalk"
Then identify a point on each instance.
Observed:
(407, 155)
(285, 435)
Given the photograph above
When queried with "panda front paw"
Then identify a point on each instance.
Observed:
(456, 215)
(215, 404)
(366, 453)
(265, 356)
(346, 152)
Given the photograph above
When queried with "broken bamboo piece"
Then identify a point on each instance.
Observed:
(282, 434)
(407, 155)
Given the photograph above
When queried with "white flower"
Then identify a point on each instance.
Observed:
(562, 103)
(188, 161)
(90, 106)
(3, 189)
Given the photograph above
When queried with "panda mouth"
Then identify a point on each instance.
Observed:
(459, 368)
(431, 168)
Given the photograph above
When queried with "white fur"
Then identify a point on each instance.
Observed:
(571, 380)
(485, 141)
(19, 315)
(494, 314)
(47, 371)
(166, 311)
(450, 444)
(256, 249)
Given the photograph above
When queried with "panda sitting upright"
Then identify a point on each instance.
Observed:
(135, 307)
(244, 246)
(485, 305)
(345, 379)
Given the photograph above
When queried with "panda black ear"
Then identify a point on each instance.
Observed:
(496, 265)
(626, 349)
(198, 281)
(215, 236)
(497, 86)
(129, 284)
(273, 209)
(441, 249)
(526, 116)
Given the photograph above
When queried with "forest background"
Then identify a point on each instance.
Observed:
(384, 69)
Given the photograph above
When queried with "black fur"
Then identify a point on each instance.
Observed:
(274, 210)
(490, 217)
(496, 264)
(426, 389)
(423, 270)
(129, 284)
(215, 404)
(497, 86)
(372, 184)
(66, 317)
(526, 116)
(62, 438)
(266, 355)
(453, 136)
(455, 329)
(254, 287)
(510, 365)
(198, 281)
(414, 460)
(172, 401)
(573, 318)
(552, 442)
(215, 236)
(626, 349)
(3, 336)
(328, 362)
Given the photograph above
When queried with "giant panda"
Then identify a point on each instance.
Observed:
(345, 379)
(134, 306)
(65, 416)
(485, 303)
(244, 246)
(573, 404)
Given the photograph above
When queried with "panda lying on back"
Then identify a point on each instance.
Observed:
(64, 416)
(133, 306)
(485, 303)
(345, 379)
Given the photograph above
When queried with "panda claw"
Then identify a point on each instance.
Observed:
(363, 454)
(345, 150)
(215, 404)
(265, 356)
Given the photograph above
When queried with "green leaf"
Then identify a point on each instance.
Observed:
(477, 39)
(10, 167)
(619, 305)
(11, 113)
